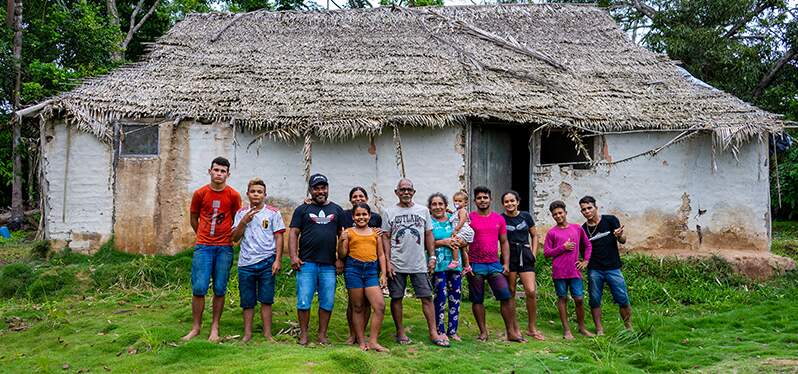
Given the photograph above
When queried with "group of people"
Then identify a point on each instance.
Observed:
(433, 247)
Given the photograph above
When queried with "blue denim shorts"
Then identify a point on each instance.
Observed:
(313, 277)
(614, 278)
(359, 274)
(487, 269)
(210, 261)
(561, 287)
(256, 283)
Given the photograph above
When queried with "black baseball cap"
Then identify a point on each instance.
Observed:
(317, 179)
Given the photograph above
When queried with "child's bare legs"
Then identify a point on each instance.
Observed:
(580, 316)
(562, 308)
(530, 290)
(377, 301)
(356, 297)
(248, 314)
(266, 317)
(352, 339)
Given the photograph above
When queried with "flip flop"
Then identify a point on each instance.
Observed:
(402, 341)
(518, 340)
(441, 343)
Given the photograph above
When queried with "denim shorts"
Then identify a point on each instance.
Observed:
(210, 261)
(493, 273)
(487, 269)
(256, 283)
(561, 287)
(614, 278)
(313, 277)
(359, 274)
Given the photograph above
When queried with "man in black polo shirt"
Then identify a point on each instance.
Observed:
(605, 232)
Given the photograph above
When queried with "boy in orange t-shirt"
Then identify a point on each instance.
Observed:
(213, 208)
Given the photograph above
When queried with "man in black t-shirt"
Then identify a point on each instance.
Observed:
(605, 232)
(312, 245)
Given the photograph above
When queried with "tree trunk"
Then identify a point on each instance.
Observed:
(17, 212)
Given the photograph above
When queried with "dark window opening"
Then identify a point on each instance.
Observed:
(138, 140)
(557, 147)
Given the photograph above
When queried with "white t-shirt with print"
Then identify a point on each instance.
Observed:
(258, 242)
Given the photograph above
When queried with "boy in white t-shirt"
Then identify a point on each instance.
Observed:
(259, 261)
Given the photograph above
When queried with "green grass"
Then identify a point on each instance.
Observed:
(785, 239)
(124, 313)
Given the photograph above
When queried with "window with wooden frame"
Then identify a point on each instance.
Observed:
(566, 147)
(138, 140)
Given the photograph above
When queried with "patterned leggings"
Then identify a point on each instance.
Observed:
(447, 283)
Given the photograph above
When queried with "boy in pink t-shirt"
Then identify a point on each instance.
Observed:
(563, 244)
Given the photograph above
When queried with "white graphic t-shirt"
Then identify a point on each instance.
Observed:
(258, 242)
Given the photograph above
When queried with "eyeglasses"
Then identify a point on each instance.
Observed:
(405, 190)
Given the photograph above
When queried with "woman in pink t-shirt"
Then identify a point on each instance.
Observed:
(563, 244)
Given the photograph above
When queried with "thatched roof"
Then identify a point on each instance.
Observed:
(348, 72)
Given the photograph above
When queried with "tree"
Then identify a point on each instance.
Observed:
(17, 213)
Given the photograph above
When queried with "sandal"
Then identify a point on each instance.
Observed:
(441, 343)
(453, 265)
(403, 341)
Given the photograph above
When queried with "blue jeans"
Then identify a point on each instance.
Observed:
(256, 283)
(561, 287)
(614, 278)
(313, 277)
(448, 286)
(210, 261)
(359, 274)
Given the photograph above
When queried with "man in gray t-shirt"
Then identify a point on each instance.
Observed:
(407, 235)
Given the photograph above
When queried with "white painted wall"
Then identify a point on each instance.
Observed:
(86, 220)
(645, 191)
(346, 164)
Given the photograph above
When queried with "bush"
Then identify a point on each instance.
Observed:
(40, 250)
(52, 283)
(14, 279)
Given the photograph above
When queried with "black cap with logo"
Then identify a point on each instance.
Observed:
(317, 179)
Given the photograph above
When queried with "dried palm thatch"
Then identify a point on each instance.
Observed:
(339, 74)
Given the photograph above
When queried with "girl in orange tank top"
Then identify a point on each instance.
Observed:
(364, 273)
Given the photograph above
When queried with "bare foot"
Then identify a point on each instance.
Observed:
(568, 336)
(269, 337)
(586, 333)
(351, 340)
(247, 337)
(323, 340)
(378, 348)
(364, 347)
(191, 334)
(537, 335)
(628, 326)
(303, 340)
(482, 337)
(213, 337)
(600, 332)
(455, 337)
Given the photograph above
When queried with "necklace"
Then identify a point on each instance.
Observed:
(595, 228)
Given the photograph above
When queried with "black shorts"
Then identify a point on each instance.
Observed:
(522, 259)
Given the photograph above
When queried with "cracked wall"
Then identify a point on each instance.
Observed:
(78, 205)
(673, 201)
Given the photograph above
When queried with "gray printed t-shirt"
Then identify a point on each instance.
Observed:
(407, 229)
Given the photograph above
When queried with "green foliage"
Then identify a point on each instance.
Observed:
(787, 185)
(53, 283)
(14, 279)
(40, 250)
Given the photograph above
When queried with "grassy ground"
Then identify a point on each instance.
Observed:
(123, 313)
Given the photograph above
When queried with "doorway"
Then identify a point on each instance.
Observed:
(500, 157)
